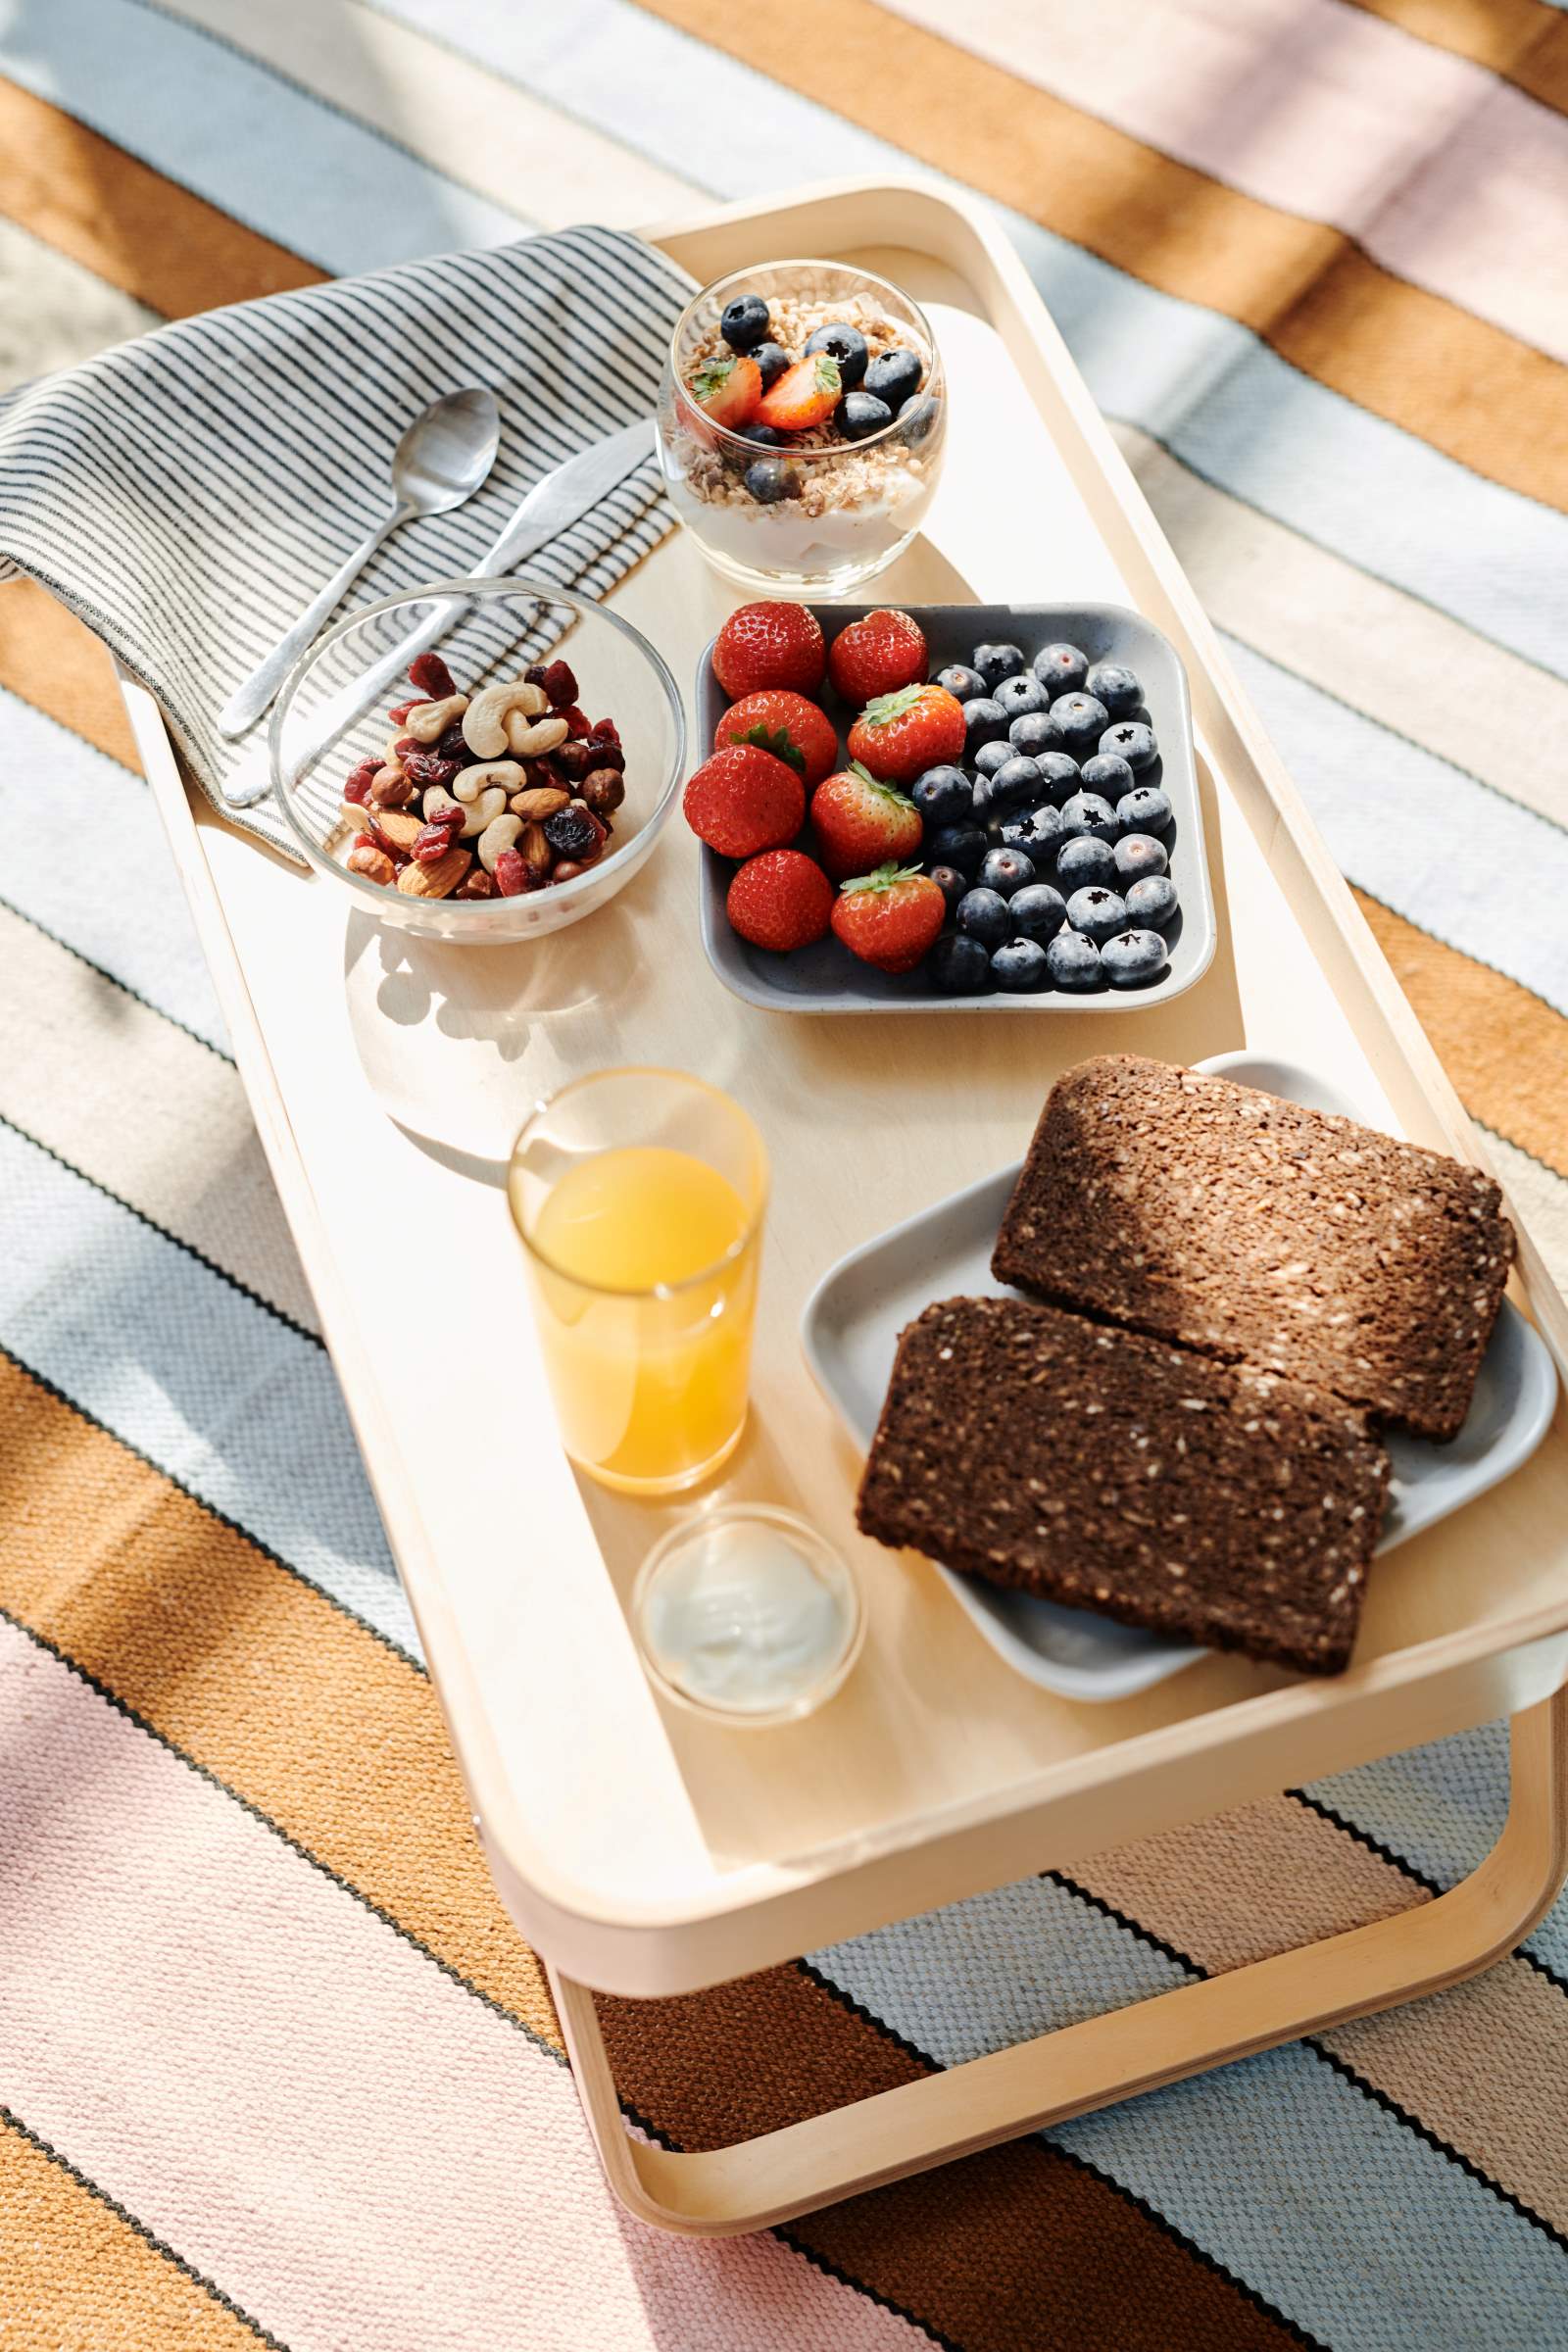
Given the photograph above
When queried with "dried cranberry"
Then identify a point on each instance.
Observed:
(559, 684)
(576, 720)
(572, 759)
(534, 674)
(606, 752)
(364, 841)
(428, 767)
(358, 787)
(432, 678)
(451, 746)
(400, 711)
(433, 844)
(604, 730)
(571, 832)
(511, 874)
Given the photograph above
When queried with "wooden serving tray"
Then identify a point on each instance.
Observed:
(644, 1851)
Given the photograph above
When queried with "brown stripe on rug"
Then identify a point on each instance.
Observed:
(1522, 41)
(127, 223)
(1478, 395)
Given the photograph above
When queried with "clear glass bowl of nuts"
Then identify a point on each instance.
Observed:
(802, 423)
(480, 761)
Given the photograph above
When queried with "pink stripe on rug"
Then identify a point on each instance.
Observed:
(360, 2153)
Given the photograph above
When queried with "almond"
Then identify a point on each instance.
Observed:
(537, 803)
(436, 881)
(534, 851)
(402, 826)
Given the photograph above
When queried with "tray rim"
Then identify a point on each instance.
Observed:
(762, 1911)
(710, 895)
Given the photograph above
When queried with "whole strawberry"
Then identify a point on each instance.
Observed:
(889, 918)
(787, 726)
(900, 735)
(744, 800)
(781, 900)
(860, 824)
(877, 656)
(770, 645)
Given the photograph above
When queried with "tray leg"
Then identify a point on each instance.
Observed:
(724, 2192)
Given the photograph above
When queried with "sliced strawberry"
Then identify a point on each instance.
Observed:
(804, 395)
(727, 390)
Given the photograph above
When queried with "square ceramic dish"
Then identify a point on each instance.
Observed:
(851, 1327)
(826, 978)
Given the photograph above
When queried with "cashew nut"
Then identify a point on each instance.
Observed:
(531, 739)
(426, 721)
(484, 811)
(484, 728)
(498, 834)
(470, 782)
(436, 799)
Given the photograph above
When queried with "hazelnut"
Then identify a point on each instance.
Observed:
(477, 884)
(391, 787)
(574, 758)
(603, 789)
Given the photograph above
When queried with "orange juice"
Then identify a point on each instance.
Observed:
(645, 1314)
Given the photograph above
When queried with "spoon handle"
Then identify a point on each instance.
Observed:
(247, 702)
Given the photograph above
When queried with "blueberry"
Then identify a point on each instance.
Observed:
(1020, 967)
(1133, 741)
(1060, 669)
(993, 755)
(1085, 863)
(847, 345)
(983, 915)
(1036, 731)
(1082, 721)
(1117, 688)
(959, 966)
(1020, 694)
(1098, 913)
(762, 436)
(770, 479)
(1037, 910)
(998, 662)
(1107, 775)
(1058, 772)
(1015, 784)
(1139, 854)
(895, 377)
(965, 685)
(1073, 962)
(949, 882)
(1153, 900)
(943, 796)
(962, 846)
(1037, 833)
(916, 419)
(773, 360)
(1144, 809)
(984, 721)
(1007, 870)
(859, 416)
(1086, 813)
(743, 324)
(1132, 958)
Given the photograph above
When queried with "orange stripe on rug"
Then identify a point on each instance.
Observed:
(1522, 41)
(1505, 1048)
(78, 2272)
(1465, 387)
(53, 661)
(125, 221)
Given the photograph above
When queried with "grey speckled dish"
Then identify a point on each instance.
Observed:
(827, 978)
(851, 1327)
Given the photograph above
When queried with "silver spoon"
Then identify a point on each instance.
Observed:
(441, 459)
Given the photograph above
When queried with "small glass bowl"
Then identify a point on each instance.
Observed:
(332, 713)
(854, 506)
(690, 1559)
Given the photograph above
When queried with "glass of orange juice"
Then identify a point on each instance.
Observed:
(639, 1196)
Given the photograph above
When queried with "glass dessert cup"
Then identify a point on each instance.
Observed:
(332, 713)
(851, 507)
(638, 1197)
(747, 1616)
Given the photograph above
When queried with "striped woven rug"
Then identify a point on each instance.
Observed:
(273, 2066)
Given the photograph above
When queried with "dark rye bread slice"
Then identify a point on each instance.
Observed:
(1207, 1501)
(1204, 1211)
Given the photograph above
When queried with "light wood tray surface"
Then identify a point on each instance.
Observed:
(642, 1850)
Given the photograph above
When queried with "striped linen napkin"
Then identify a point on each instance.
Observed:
(188, 494)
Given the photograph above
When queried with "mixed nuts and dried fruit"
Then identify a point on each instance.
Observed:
(485, 796)
(1004, 819)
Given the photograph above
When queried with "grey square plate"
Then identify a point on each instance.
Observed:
(827, 978)
(851, 1328)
